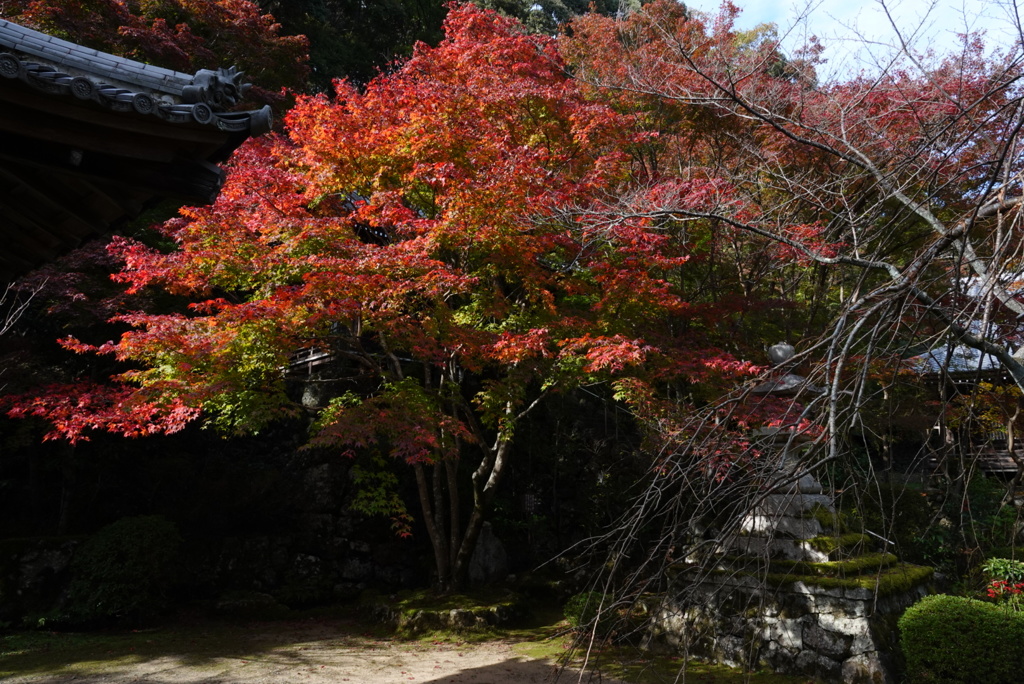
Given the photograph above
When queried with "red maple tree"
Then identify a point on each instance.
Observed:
(415, 238)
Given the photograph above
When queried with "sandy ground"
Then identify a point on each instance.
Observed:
(316, 656)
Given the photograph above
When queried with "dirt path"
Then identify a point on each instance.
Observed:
(284, 653)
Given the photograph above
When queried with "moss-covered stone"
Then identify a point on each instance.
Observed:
(898, 578)
(856, 565)
(843, 544)
(830, 520)
(424, 611)
(879, 573)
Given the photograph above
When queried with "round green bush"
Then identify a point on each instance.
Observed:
(124, 571)
(582, 610)
(956, 640)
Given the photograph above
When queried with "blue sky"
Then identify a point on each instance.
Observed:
(839, 22)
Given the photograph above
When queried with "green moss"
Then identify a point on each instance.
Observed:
(583, 609)
(547, 649)
(628, 665)
(412, 602)
(831, 544)
(857, 565)
(904, 577)
(829, 520)
(415, 613)
(892, 580)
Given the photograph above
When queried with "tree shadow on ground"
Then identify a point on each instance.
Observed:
(324, 650)
(526, 671)
(217, 652)
(513, 671)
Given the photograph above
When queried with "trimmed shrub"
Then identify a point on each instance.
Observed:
(582, 611)
(956, 640)
(124, 571)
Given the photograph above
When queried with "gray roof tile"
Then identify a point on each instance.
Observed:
(93, 61)
(117, 80)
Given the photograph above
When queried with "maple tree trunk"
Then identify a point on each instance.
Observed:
(485, 481)
(68, 481)
(437, 536)
(438, 500)
(455, 523)
(445, 535)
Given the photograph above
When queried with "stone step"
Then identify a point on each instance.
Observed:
(815, 550)
(796, 504)
(868, 564)
(807, 484)
(784, 526)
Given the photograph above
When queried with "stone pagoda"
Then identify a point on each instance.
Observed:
(795, 587)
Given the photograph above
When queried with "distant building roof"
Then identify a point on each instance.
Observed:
(954, 359)
(977, 287)
(88, 139)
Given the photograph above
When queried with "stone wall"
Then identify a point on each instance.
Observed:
(33, 573)
(329, 554)
(321, 553)
(794, 588)
(837, 633)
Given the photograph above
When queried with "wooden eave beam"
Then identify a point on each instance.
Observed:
(26, 198)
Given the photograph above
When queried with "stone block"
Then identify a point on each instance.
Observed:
(346, 591)
(807, 484)
(817, 665)
(461, 619)
(782, 526)
(849, 593)
(865, 668)
(793, 503)
(357, 570)
(731, 651)
(423, 621)
(359, 546)
(811, 554)
(826, 642)
(850, 626)
(787, 633)
(841, 607)
(774, 548)
(306, 566)
(489, 563)
(38, 566)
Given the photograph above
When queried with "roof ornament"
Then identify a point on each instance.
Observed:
(89, 139)
(59, 67)
(220, 89)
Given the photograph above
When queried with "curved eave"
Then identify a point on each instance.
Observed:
(85, 145)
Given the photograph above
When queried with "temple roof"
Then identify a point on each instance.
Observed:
(88, 139)
(954, 359)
